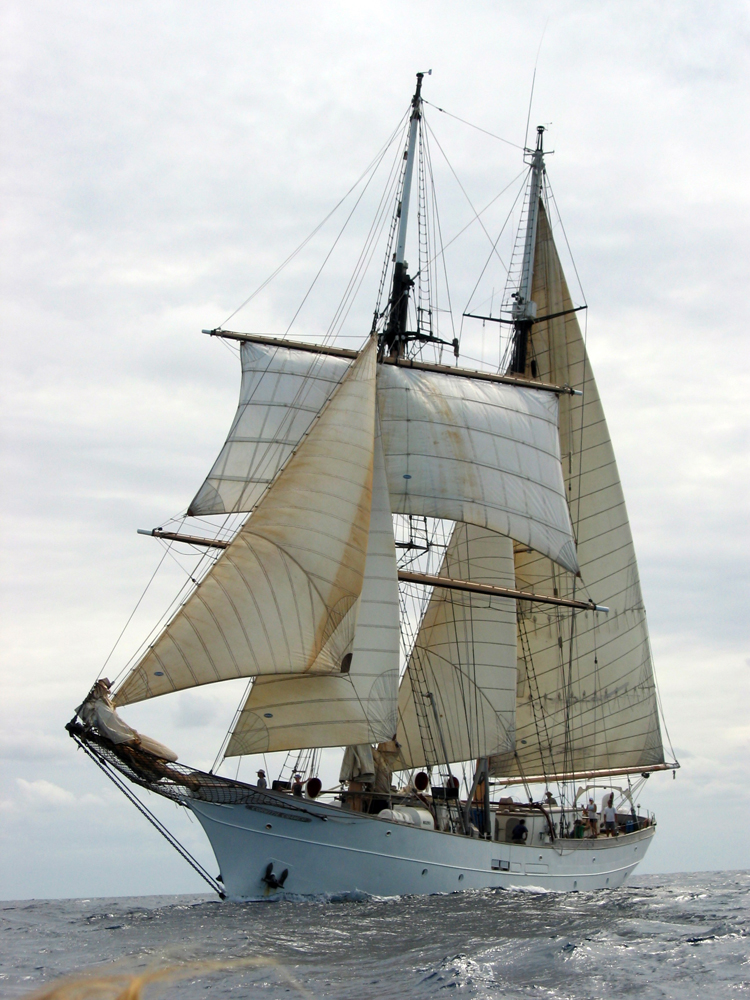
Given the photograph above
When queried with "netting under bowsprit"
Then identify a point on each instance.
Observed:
(172, 780)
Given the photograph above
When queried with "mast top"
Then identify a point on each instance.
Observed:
(536, 155)
(416, 101)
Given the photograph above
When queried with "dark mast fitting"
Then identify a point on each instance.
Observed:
(394, 337)
(524, 310)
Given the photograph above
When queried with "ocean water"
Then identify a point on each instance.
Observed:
(666, 936)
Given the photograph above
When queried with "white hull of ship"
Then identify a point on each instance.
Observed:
(333, 851)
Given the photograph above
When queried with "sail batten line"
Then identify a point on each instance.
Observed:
(446, 583)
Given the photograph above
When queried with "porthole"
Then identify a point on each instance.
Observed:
(268, 826)
(424, 871)
(387, 833)
(461, 877)
(575, 885)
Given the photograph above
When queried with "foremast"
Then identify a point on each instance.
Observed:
(394, 337)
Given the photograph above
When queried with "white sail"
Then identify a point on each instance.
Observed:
(359, 706)
(455, 448)
(282, 392)
(484, 453)
(586, 692)
(465, 656)
(278, 593)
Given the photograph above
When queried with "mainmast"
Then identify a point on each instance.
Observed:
(524, 310)
(394, 337)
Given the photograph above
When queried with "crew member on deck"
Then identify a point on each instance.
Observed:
(261, 782)
(609, 817)
(593, 818)
(297, 786)
(520, 833)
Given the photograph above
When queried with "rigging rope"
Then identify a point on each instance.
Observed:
(303, 244)
(477, 127)
(156, 823)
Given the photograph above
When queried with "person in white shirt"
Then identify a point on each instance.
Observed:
(609, 817)
(593, 818)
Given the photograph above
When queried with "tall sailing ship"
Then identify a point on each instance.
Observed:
(435, 573)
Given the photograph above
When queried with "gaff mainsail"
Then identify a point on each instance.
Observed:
(586, 692)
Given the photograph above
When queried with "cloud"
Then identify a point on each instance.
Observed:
(45, 792)
(22, 746)
(41, 794)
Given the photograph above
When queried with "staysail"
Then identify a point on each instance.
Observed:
(355, 706)
(277, 595)
(464, 658)
(586, 693)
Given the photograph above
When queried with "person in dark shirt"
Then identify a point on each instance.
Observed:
(520, 833)
(297, 786)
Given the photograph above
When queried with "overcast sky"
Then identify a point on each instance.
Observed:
(161, 159)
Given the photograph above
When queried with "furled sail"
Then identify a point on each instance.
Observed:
(484, 453)
(282, 392)
(465, 657)
(277, 595)
(351, 707)
(586, 693)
